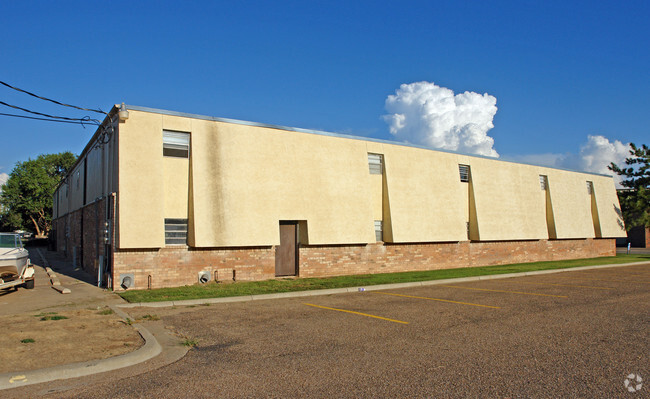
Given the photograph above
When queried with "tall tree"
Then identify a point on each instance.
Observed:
(26, 198)
(635, 201)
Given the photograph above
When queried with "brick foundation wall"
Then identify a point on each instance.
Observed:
(321, 261)
(72, 240)
(93, 240)
(176, 266)
(58, 226)
(79, 232)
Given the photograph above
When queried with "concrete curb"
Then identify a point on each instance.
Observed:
(297, 294)
(150, 349)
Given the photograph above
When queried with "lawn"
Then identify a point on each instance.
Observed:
(214, 290)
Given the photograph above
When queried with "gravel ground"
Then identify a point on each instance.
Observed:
(579, 339)
(56, 328)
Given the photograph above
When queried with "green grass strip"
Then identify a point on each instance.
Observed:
(214, 290)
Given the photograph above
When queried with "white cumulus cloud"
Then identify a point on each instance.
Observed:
(594, 156)
(3, 179)
(427, 114)
(599, 152)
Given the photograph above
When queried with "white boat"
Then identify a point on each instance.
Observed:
(15, 268)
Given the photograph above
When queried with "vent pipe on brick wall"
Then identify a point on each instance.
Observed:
(100, 266)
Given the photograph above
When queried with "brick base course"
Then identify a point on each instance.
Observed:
(79, 235)
(320, 261)
(176, 266)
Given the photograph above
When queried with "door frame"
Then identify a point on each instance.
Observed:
(296, 241)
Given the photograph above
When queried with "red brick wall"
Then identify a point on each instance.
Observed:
(59, 233)
(93, 240)
(320, 261)
(176, 266)
(72, 236)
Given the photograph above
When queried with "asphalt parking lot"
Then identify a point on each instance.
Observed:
(573, 334)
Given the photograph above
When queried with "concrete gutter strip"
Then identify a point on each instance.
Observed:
(571, 269)
(150, 349)
(297, 294)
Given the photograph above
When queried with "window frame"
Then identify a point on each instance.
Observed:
(379, 230)
(465, 173)
(375, 163)
(174, 145)
(543, 182)
(175, 231)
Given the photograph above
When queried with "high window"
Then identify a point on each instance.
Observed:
(175, 231)
(590, 187)
(375, 163)
(176, 144)
(543, 182)
(379, 230)
(464, 173)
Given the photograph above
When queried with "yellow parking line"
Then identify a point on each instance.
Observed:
(627, 272)
(602, 279)
(510, 292)
(359, 313)
(562, 285)
(437, 299)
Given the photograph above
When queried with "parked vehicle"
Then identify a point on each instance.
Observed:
(15, 267)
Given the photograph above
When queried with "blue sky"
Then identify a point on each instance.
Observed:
(560, 70)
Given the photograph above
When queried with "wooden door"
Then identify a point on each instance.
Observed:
(286, 254)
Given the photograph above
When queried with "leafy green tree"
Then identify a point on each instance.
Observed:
(26, 198)
(635, 201)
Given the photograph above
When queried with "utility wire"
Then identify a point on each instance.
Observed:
(50, 120)
(103, 138)
(53, 101)
(84, 119)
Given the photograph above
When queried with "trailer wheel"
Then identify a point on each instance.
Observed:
(29, 284)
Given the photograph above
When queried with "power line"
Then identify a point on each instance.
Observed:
(50, 120)
(53, 101)
(84, 119)
(105, 132)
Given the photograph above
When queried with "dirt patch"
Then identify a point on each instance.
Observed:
(39, 340)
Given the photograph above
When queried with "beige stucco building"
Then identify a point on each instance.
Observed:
(163, 198)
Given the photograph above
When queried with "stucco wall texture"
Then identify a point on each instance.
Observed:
(240, 180)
